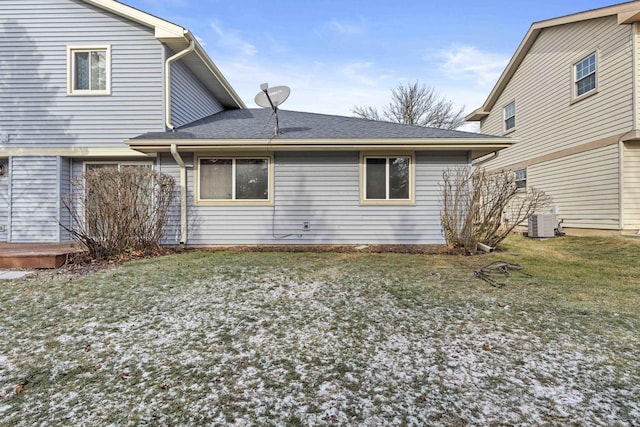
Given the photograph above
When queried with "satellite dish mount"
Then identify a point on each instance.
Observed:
(272, 98)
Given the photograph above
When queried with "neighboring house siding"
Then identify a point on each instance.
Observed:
(546, 119)
(34, 199)
(632, 185)
(583, 186)
(4, 201)
(34, 106)
(190, 100)
(323, 189)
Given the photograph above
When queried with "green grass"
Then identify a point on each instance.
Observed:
(326, 338)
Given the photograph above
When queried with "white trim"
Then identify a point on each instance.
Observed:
(505, 118)
(116, 163)
(71, 50)
(574, 80)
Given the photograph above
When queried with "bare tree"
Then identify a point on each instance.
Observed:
(474, 203)
(415, 104)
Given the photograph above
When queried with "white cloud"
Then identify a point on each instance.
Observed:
(363, 73)
(346, 28)
(231, 40)
(469, 63)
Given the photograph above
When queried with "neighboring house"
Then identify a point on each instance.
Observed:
(570, 97)
(92, 82)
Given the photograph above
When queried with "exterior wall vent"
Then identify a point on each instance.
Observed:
(542, 225)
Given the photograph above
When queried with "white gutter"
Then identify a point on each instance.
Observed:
(483, 161)
(183, 193)
(167, 82)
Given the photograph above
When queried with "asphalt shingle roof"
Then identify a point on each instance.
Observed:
(259, 124)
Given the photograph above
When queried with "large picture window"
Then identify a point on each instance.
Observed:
(388, 179)
(89, 71)
(226, 179)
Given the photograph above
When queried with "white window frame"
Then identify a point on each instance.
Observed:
(386, 201)
(233, 201)
(575, 80)
(71, 76)
(521, 178)
(505, 117)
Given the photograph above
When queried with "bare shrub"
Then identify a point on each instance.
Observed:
(114, 211)
(474, 203)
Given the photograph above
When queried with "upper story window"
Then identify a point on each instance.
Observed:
(387, 179)
(521, 178)
(585, 75)
(510, 116)
(89, 70)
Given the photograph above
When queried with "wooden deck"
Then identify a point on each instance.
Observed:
(36, 255)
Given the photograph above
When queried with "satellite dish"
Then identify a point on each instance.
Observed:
(277, 95)
(271, 98)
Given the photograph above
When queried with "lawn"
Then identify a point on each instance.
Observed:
(247, 338)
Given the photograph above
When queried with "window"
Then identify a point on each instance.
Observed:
(521, 178)
(585, 76)
(89, 71)
(510, 116)
(388, 179)
(229, 180)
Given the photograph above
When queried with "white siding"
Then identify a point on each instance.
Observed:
(34, 106)
(583, 186)
(34, 199)
(323, 189)
(632, 185)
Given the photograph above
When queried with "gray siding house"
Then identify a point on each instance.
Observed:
(124, 87)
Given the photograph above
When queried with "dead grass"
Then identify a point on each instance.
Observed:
(272, 338)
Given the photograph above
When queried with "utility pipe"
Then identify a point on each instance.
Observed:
(167, 82)
(183, 193)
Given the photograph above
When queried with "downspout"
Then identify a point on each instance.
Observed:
(183, 193)
(167, 82)
(174, 147)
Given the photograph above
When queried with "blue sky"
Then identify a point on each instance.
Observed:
(335, 54)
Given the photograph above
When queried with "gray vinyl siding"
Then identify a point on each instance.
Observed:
(190, 100)
(324, 189)
(65, 190)
(632, 185)
(34, 207)
(4, 201)
(34, 106)
(584, 200)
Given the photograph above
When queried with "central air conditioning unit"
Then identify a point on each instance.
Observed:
(542, 225)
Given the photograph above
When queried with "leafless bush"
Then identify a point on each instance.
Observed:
(475, 202)
(118, 210)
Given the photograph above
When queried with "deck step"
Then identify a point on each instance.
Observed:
(36, 255)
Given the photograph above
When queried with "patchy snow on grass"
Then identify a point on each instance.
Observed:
(249, 346)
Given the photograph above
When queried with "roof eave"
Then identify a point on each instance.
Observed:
(626, 13)
(478, 147)
(178, 38)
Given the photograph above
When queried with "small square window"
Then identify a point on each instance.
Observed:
(89, 71)
(510, 116)
(521, 178)
(585, 75)
(387, 179)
